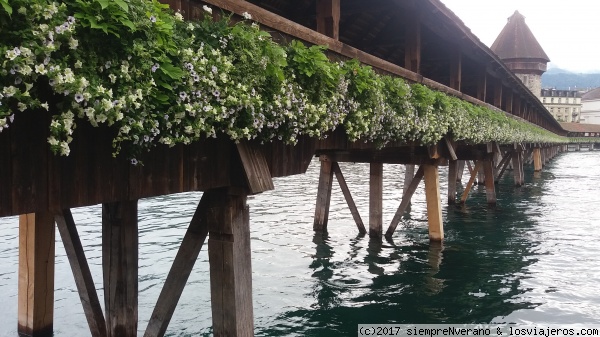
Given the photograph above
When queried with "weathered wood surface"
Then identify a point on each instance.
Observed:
(81, 272)
(120, 267)
(405, 203)
(180, 270)
(434, 203)
(490, 185)
(376, 200)
(328, 18)
(254, 163)
(36, 275)
(452, 181)
(323, 195)
(349, 200)
(474, 172)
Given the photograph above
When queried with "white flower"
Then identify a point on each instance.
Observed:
(247, 16)
(190, 26)
(207, 9)
(73, 43)
(178, 16)
(52, 141)
(21, 106)
(153, 19)
(41, 69)
(78, 64)
(9, 91)
(45, 106)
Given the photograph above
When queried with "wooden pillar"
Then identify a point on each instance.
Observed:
(328, 18)
(490, 185)
(230, 264)
(481, 177)
(460, 170)
(120, 267)
(537, 159)
(348, 196)
(509, 102)
(517, 167)
(498, 93)
(452, 181)
(412, 54)
(456, 70)
(376, 200)
(36, 274)
(482, 84)
(409, 172)
(323, 195)
(434, 203)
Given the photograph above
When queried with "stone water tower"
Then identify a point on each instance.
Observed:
(522, 53)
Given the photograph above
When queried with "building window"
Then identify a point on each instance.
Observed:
(552, 100)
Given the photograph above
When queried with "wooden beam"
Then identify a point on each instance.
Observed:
(36, 275)
(406, 196)
(412, 54)
(348, 196)
(230, 264)
(490, 186)
(180, 271)
(498, 93)
(456, 69)
(409, 172)
(323, 195)
(460, 170)
(120, 267)
(517, 167)
(478, 165)
(434, 204)
(450, 148)
(503, 165)
(376, 200)
(452, 181)
(482, 84)
(328, 18)
(256, 168)
(81, 272)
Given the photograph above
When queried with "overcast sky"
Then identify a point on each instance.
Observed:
(569, 31)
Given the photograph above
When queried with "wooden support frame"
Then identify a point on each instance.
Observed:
(503, 165)
(490, 185)
(328, 18)
(349, 200)
(434, 204)
(452, 181)
(406, 196)
(81, 273)
(180, 271)
(478, 165)
(120, 267)
(323, 194)
(376, 200)
(36, 274)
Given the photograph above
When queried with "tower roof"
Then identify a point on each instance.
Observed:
(516, 41)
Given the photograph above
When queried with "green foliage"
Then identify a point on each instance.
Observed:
(140, 69)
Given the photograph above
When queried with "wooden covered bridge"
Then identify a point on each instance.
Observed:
(419, 41)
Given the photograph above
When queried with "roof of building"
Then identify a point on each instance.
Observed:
(591, 95)
(516, 41)
(580, 127)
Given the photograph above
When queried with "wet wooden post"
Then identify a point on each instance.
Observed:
(517, 166)
(537, 159)
(490, 185)
(460, 170)
(230, 263)
(452, 181)
(409, 172)
(323, 194)
(36, 274)
(348, 196)
(328, 18)
(434, 202)
(376, 200)
(120, 267)
(481, 176)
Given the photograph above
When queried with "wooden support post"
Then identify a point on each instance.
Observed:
(36, 274)
(323, 195)
(230, 264)
(180, 270)
(328, 18)
(452, 181)
(412, 54)
(460, 170)
(498, 93)
(502, 166)
(81, 273)
(348, 196)
(490, 186)
(517, 167)
(406, 196)
(481, 176)
(537, 159)
(482, 84)
(409, 172)
(434, 203)
(478, 165)
(120, 267)
(376, 200)
(456, 69)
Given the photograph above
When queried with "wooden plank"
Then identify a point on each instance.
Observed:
(478, 165)
(36, 274)
(348, 196)
(328, 18)
(452, 173)
(180, 271)
(504, 163)
(120, 267)
(434, 204)
(81, 273)
(230, 264)
(323, 195)
(406, 196)
(376, 200)
(258, 176)
(490, 185)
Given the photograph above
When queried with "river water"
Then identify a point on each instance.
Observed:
(534, 258)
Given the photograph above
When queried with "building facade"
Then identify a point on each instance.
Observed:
(590, 109)
(564, 105)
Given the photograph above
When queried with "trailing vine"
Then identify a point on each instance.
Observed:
(154, 78)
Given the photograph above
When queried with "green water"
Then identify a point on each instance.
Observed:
(532, 259)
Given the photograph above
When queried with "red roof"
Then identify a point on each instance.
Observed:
(516, 41)
(580, 127)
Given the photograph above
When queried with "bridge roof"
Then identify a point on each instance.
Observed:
(591, 95)
(516, 41)
(580, 127)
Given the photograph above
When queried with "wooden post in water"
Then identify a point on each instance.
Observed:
(409, 172)
(376, 200)
(120, 267)
(36, 274)
(230, 264)
(460, 170)
(434, 202)
(490, 185)
(537, 159)
(517, 166)
(452, 181)
(323, 195)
